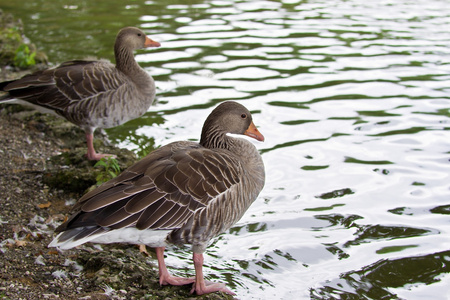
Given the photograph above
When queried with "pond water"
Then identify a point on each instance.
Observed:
(353, 99)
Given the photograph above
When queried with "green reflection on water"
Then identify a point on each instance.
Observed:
(336, 193)
(369, 233)
(375, 280)
(377, 113)
(391, 249)
(338, 219)
(297, 122)
(314, 168)
(336, 251)
(443, 209)
(293, 143)
(289, 104)
(324, 208)
(411, 130)
(367, 162)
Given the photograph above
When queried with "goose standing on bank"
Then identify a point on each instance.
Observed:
(181, 193)
(91, 94)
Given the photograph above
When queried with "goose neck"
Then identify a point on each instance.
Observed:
(213, 137)
(125, 61)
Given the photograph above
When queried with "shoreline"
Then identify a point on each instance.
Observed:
(43, 172)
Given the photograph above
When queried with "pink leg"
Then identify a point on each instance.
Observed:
(200, 286)
(164, 277)
(91, 154)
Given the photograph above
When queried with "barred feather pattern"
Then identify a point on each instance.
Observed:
(190, 191)
(91, 94)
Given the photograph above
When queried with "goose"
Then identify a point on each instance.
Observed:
(91, 94)
(182, 193)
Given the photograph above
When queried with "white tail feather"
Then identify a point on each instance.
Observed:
(151, 238)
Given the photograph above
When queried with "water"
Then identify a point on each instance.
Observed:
(353, 99)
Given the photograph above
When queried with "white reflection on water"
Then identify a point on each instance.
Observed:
(354, 106)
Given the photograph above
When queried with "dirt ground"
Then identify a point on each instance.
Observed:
(42, 174)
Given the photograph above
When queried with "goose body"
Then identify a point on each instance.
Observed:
(91, 94)
(181, 193)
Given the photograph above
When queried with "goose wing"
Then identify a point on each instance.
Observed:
(69, 83)
(161, 191)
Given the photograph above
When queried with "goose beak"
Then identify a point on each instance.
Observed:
(253, 132)
(151, 43)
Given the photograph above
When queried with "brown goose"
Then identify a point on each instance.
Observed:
(91, 94)
(182, 193)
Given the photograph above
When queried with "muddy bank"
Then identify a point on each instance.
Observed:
(43, 172)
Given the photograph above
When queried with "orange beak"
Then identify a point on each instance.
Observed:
(253, 132)
(151, 43)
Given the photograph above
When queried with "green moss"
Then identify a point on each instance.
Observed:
(14, 50)
(123, 267)
(24, 57)
(11, 32)
(69, 170)
(109, 168)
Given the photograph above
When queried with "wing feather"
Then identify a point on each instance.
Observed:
(142, 200)
(162, 191)
(70, 82)
(106, 198)
(153, 213)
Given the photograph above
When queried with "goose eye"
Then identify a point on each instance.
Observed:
(139, 34)
(243, 116)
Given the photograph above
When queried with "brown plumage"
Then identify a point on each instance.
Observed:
(91, 94)
(181, 193)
